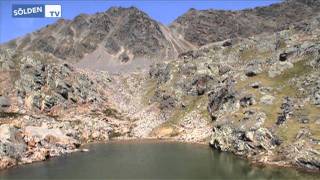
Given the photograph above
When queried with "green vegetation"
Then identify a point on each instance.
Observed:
(253, 53)
(300, 68)
(192, 103)
(150, 88)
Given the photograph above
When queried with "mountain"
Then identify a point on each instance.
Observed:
(120, 33)
(257, 97)
(201, 27)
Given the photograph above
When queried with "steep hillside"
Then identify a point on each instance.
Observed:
(122, 33)
(257, 97)
(260, 95)
(201, 27)
(49, 108)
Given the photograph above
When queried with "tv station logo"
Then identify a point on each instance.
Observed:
(36, 11)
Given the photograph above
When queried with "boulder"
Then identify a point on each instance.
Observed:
(223, 69)
(247, 143)
(308, 159)
(287, 108)
(202, 83)
(253, 69)
(267, 99)
(222, 98)
(316, 96)
(160, 72)
(52, 136)
(277, 68)
(63, 89)
(283, 56)
(4, 102)
(34, 101)
(247, 100)
(227, 43)
(6, 162)
(255, 85)
(124, 57)
(49, 102)
(11, 142)
(165, 99)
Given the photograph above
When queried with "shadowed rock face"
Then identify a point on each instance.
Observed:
(206, 26)
(119, 30)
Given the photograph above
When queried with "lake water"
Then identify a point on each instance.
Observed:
(146, 160)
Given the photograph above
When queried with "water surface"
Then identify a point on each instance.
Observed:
(146, 160)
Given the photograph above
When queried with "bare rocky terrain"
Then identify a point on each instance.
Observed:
(123, 34)
(256, 94)
(201, 27)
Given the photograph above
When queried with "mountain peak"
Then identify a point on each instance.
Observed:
(118, 33)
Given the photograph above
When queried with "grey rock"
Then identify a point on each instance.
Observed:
(248, 100)
(253, 69)
(112, 46)
(227, 138)
(222, 98)
(202, 84)
(308, 159)
(36, 100)
(49, 102)
(11, 143)
(124, 57)
(255, 85)
(166, 100)
(278, 68)
(304, 119)
(4, 102)
(223, 69)
(190, 55)
(267, 99)
(160, 72)
(188, 69)
(63, 89)
(287, 108)
(283, 56)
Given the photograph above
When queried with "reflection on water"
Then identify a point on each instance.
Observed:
(150, 160)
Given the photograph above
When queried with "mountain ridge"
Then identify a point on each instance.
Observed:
(128, 33)
(201, 27)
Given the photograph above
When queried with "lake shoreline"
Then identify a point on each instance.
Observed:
(136, 146)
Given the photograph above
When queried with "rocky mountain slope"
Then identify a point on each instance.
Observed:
(122, 33)
(49, 108)
(260, 95)
(257, 97)
(201, 27)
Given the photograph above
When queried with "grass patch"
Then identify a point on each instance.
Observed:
(288, 131)
(150, 89)
(253, 53)
(300, 68)
(281, 88)
(193, 102)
